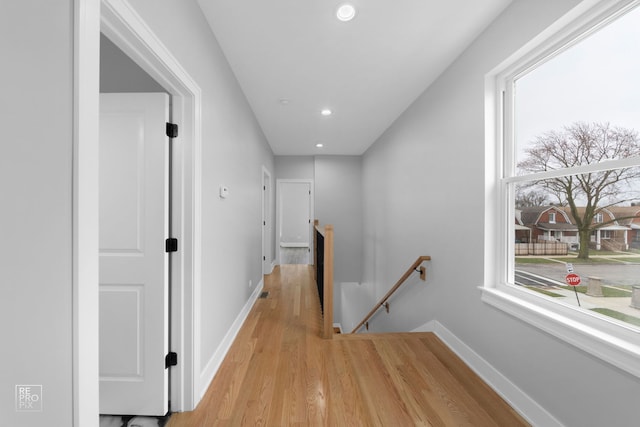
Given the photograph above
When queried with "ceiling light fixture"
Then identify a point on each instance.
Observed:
(346, 12)
(319, 145)
(326, 112)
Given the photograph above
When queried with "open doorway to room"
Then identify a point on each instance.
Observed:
(135, 158)
(267, 229)
(295, 221)
(126, 32)
(117, 21)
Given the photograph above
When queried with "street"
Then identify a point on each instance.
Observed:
(611, 274)
(552, 275)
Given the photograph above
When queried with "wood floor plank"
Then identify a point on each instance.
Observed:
(382, 399)
(477, 389)
(280, 372)
(465, 410)
(411, 384)
(345, 397)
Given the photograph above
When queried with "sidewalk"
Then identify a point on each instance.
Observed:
(624, 270)
(588, 302)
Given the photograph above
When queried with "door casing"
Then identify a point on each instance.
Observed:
(119, 21)
(124, 27)
(267, 233)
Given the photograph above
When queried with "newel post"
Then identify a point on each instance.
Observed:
(328, 282)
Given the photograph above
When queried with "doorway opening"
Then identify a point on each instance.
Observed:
(267, 233)
(135, 159)
(132, 36)
(295, 221)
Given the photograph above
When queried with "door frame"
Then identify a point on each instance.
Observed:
(125, 28)
(267, 221)
(279, 183)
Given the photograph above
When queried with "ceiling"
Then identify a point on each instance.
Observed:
(294, 58)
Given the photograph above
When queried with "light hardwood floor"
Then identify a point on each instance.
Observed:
(279, 372)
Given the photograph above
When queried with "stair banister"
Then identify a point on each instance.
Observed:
(323, 265)
(383, 302)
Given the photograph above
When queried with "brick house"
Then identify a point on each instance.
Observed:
(619, 230)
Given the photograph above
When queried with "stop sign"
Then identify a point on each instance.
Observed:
(572, 279)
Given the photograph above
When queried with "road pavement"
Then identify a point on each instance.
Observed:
(553, 274)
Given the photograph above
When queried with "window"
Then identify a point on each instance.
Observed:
(566, 134)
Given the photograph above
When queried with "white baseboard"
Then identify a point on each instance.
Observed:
(212, 366)
(528, 408)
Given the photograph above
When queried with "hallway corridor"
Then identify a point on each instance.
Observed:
(279, 372)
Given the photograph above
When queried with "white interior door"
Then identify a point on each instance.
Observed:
(294, 215)
(133, 195)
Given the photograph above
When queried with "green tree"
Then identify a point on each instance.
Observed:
(580, 144)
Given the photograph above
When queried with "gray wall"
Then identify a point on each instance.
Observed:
(118, 73)
(294, 167)
(36, 106)
(424, 195)
(339, 202)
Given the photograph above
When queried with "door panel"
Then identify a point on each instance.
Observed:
(133, 262)
(294, 217)
(122, 191)
(120, 308)
(295, 213)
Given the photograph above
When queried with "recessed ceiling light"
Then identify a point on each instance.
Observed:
(326, 112)
(284, 101)
(319, 145)
(346, 12)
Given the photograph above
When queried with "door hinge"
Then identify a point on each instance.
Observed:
(171, 359)
(172, 130)
(171, 245)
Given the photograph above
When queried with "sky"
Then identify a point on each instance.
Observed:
(597, 80)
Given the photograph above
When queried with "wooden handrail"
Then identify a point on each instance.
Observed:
(405, 276)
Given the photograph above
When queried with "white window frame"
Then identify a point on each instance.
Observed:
(606, 339)
(552, 217)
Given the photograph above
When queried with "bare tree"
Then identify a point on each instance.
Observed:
(581, 144)
(526, 199)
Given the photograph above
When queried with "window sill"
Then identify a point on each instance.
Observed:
(604, 339)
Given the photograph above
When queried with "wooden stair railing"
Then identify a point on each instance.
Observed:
(384, 301)
(323, 266)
